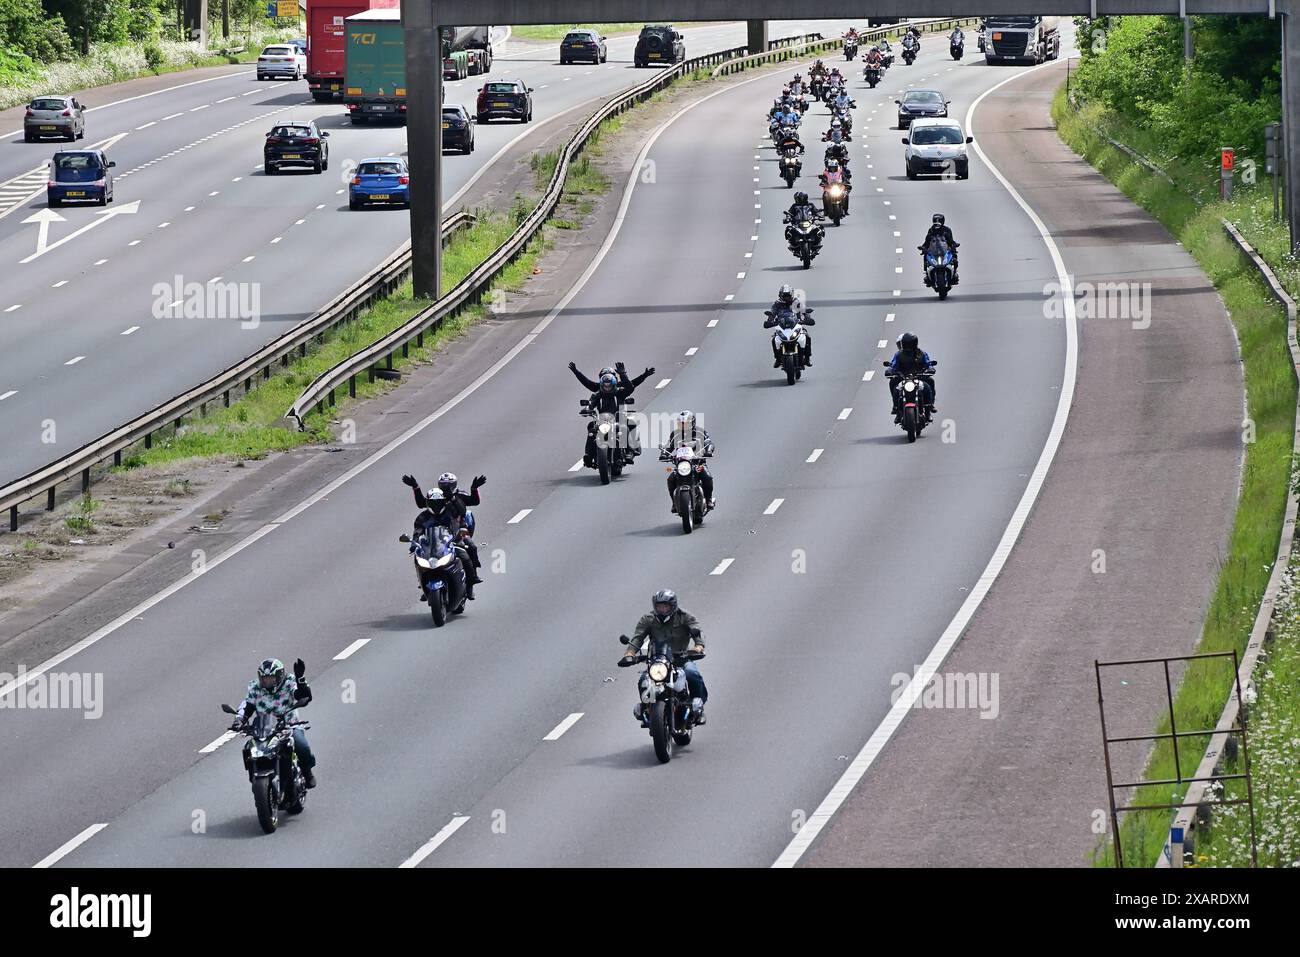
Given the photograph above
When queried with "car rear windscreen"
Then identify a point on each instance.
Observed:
(578, 38)
(379, 169)
(49, 105)
(76, 168)
(501, 88)
(295, 131)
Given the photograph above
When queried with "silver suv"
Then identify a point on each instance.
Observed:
(61, 116)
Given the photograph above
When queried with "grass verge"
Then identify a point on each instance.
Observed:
(1271, 398)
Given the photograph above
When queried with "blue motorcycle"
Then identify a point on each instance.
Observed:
(440, 566)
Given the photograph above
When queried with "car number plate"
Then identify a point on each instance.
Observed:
(334, 86)
(655, 56)
(382, 109)
(501, 104)
(76, 192)
(446, 126)
(379, 196)
(291, 156)
(49, 127)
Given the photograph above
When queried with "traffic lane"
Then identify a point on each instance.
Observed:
(576, 814)
(353, 506)
(1120, 489)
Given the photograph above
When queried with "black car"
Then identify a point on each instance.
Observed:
(583, 45)
(457, 130)
(296, 144)
(918, 103)
(505, 98)
(659, 43)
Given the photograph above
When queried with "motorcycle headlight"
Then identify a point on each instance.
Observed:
(604, 428)
(836, 192)
(683, 468)
(658, 671)
(445, 560)
(909, 386)
(422, 562)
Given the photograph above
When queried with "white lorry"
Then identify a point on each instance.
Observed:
(1016, 39)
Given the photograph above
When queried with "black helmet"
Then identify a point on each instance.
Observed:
(608, 382)
(448, 482)
(937, 219)
(270, 673)
(800, 198)
(908, 341)
(832, 164)
(786, 295)
(664, 596)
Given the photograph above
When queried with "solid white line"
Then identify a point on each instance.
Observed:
(844, 414)
(925, 673)
(519, 516)
(73, 362)
(722, 566)
(576, 467)
(71, 846)
(771, 509)
(347, 652)
(432, 844)
(816, 454)
(212, 746)
(127, 332)
(662, 383)
(564, 726)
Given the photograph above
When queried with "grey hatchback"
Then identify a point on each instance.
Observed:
(61, 116)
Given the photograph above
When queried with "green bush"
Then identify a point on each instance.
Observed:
(153, 56)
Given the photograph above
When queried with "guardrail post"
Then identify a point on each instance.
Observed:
(225, 398)
(370, 374)
(331, 398)
(117, 458)
(13, 518)
(419, 340)
(248, 385)
(302, 346)
(49, 499)
(148, 440)
(85, 481)
(406, 351)
(352, 387)
(266, 371)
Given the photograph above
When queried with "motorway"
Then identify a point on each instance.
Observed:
(191, 201)
(837, 555)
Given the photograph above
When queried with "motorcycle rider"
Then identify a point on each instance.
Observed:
(788, 140)
(938, 230)
(840, 153)
(674, 624)
(786, 300)
(874, 58)
(886, 51)
(623, 386)
(911, 359)
(842, 101)
(956, 38)
(685, 433)
(837, 174)
(788, 116)
(912, 41)
(450, 506)
(836, 133)
(800, 203)
(274, 692)
(796, 86)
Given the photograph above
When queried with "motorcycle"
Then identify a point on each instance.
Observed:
(835, 201)
(441, 566)
(871, 74)
(909, 52)
(805, 236)
(914, 414)
(791, 165)
(666, 706)
(957, 49)
(613, 444)
(790, 340)
(272, 765)
(939, 272)
(815, 86)
(850, 49)
(888, 57)
(845, 116)
(688, 495)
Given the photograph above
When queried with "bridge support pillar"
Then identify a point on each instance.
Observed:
(196, 21)
(757, 35)
(1291, 124)
(424, 145)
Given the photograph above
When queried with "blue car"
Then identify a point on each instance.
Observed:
(384, 179)
(80, 176)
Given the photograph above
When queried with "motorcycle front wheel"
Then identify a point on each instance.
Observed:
(684, 509)
(268, 815)
(438, 606)
(602, 464)
(660, 731)
(910, 423)
(790, 370)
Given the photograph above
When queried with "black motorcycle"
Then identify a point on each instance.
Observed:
(440, 567)
(913, 414)
(940, 274)
(835, 199)
(610, 439)
(688, 494)
(805, 235)
(957, 48)
(815, 86)
(666, 707)
(871, 73)
(909, 54)
(272, 765)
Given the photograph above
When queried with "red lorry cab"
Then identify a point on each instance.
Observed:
(327, 42)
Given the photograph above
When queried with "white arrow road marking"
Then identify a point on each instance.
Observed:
(44, 217)
(103, 216)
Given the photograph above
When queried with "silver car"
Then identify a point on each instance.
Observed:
(61, 116)
(936, 147)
